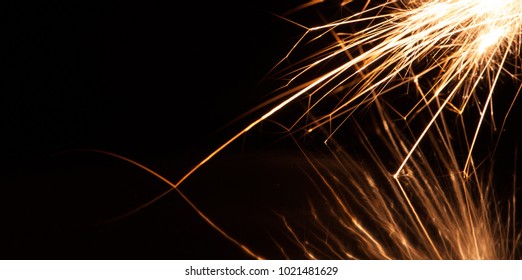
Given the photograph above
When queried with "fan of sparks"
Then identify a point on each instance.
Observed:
(451, 53)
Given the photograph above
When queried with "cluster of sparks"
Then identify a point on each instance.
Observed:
(447, 52)
(446, 55)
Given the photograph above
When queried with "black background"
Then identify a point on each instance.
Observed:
(163, 84)
(158, 82)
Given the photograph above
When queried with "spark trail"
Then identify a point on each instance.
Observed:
(466, 42)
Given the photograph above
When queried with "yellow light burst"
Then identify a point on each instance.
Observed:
(443, 49)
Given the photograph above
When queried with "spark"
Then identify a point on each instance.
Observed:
(448, 56)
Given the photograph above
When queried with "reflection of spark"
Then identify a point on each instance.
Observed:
(444, 53)
(430, 212)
